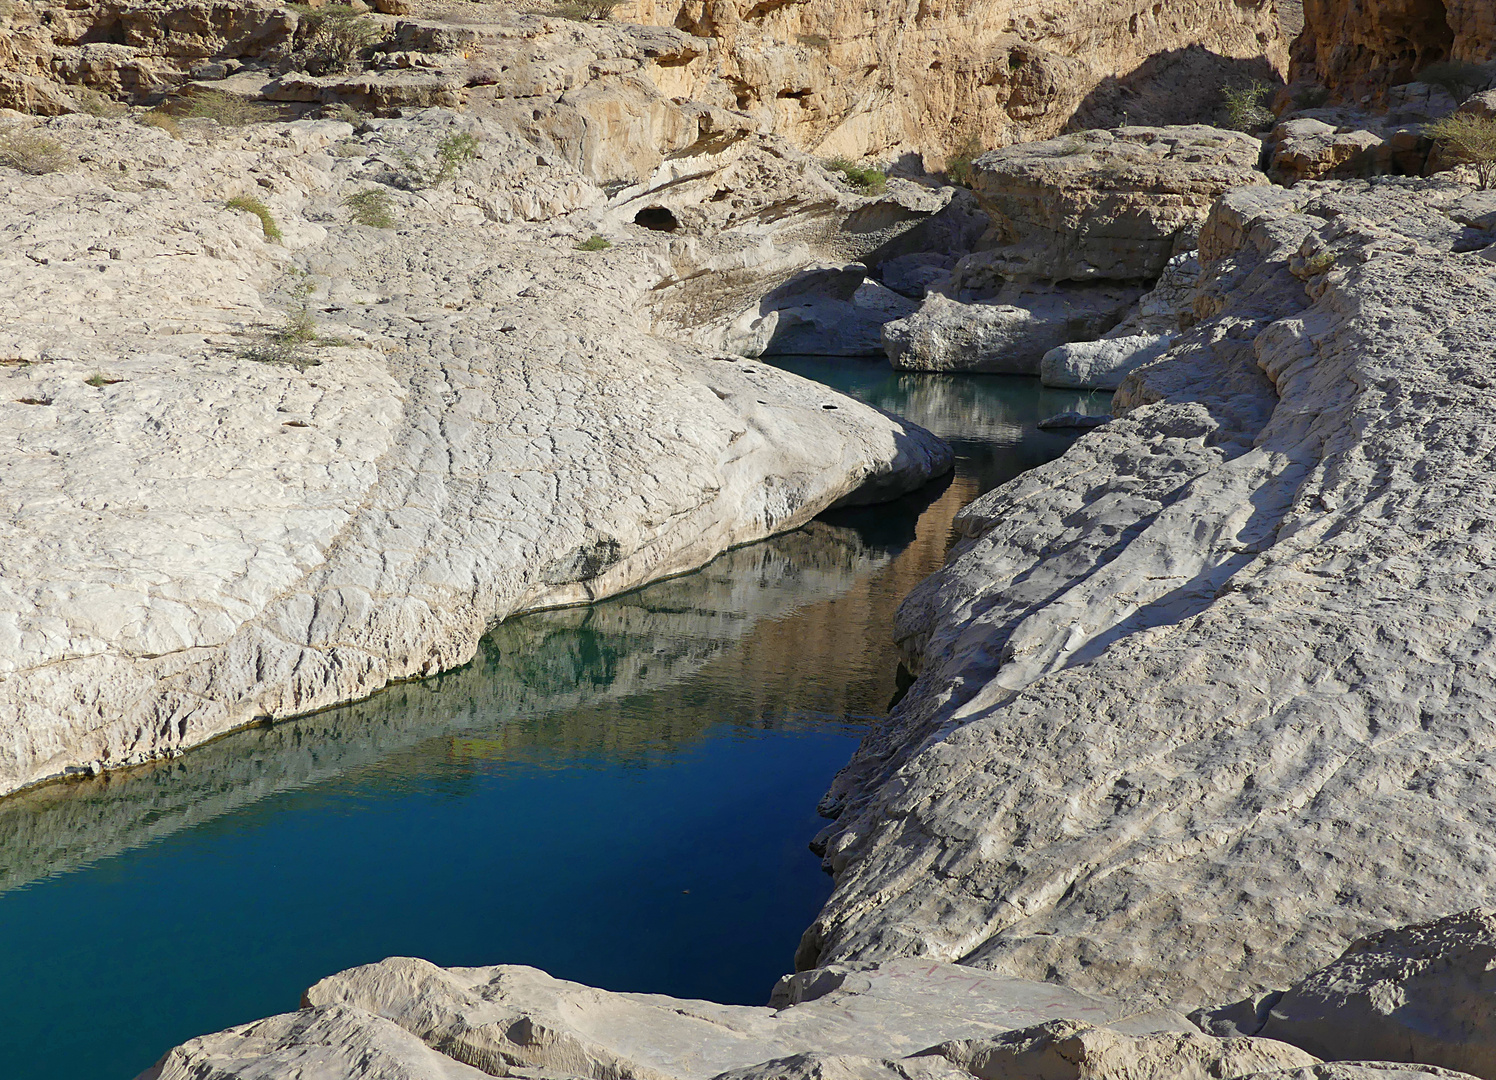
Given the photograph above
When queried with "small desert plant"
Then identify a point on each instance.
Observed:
(348, 114)
(1318, 264)
(814, 41)
(336, 36)
(959, 167)
(98, 380)
(452, 153)
(584, 10)
(97, 104)
(372, 206)
(250, 205)
(595, 243)
(225, 109)
(868, 181)
(1470, 139)
(165, 121)
(288, 343)
(1245, 108)
(29, 152)
(1459, 78)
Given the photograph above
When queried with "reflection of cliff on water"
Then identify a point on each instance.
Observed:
(528, 694)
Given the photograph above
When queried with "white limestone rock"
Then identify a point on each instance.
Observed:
(504, 1017)
(1100, 365)
(1422, 993)
(211, 539)
(1008, 334)
(1208, 698)
(1073, 1050)
(332, 1043)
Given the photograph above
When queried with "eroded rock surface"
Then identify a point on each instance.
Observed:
(195, 538)
(1208, 697)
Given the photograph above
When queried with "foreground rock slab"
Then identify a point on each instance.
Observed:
(1209, 697)
(906, 1019)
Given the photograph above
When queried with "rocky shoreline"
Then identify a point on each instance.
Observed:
(1194, 769)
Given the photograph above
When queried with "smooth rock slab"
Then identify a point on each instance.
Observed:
(500, 1017)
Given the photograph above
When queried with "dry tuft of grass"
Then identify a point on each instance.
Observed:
(34, 153)
(227, 110)
(165, 121)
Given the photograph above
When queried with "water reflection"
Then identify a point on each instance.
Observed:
(621, 794)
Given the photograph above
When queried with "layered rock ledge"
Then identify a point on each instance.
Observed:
(1211, 695)
(195, 538)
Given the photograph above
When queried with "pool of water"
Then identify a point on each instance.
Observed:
(620, 794)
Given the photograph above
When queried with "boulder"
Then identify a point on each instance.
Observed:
(1363, 1070)
(1073, 1050)
(1100, 365)
(1424, 993)
(825, 311)
(1009, 334)
(1113, 205)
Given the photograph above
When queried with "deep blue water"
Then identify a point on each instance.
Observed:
(621, 794)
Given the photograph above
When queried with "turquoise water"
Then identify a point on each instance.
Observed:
(620, 794)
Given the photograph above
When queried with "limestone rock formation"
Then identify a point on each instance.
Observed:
(1417, 993)
(1139, 339)
(886, 80)
(196, 537)
(1363, 1070)
(1362, 48)
(1009, 334)
(1073, 1050)
(1207, 698)
(849, 1022)
(1109, 205)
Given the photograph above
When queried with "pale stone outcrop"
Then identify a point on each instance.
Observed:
(331, 1043)
(1074, 1050)
(197, 538)
(846, 1022)
(1113, 205)
(1416, 993)
(1010, 333)
(1363, 1070)
(1208, 697)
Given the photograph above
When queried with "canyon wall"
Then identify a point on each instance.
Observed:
(1360, 49)
(896, 77)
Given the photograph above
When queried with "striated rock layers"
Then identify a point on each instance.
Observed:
(1358, 47)
(218, 508)
(886, 79)
(1211, 695)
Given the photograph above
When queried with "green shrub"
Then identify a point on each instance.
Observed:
(250, 205)
(227, 110)
(1471, 140)
(584, 10)
(595, 243)
(1459, 78)
(372, 206)
(98, 380)
(288, 343)
(335, 37)
(867, 181)
(1245, 106)
(959, 166)
(452, 153)
(30, 152)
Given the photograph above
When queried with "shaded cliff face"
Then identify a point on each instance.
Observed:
(888, 78)
(1365, 46)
